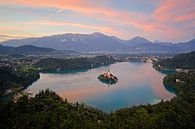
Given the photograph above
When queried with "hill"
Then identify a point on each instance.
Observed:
(53, 64)
(98, 42)
(181, 61)
(26, 49)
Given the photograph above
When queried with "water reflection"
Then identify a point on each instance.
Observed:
(171, 89)
(108, 83)
(138, 83)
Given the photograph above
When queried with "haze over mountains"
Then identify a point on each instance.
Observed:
(29, 49)
(98, 42)
(26, 49)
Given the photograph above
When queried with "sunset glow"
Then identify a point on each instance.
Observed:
(165, 20)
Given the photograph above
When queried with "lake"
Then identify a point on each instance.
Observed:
(138, 84)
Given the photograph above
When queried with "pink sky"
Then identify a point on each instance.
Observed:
(165, 20)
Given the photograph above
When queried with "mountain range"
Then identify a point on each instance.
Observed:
(98, 42)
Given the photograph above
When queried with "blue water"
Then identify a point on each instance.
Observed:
(138, 84)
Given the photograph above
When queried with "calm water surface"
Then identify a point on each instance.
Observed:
(138, 84)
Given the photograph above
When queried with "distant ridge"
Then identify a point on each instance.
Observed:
(26, 49)
(98, 42)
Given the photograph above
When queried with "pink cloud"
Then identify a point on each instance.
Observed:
(185, 17)
(174, 16)
(101, 28)
(168, 15)
(175, 10)
(82, 6)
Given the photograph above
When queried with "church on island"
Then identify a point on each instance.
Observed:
(108, 77)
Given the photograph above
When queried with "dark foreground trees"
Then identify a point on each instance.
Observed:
(18, 78)
(48, 110)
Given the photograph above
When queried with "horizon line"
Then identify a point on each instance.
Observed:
(76, 33)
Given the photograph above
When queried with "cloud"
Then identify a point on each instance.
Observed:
(104, 29)
(60, 10)
(170, 20)
(8, 37)
(84, 8)
(11, 32)
(174, 17)
(176, 10)
(81, 6)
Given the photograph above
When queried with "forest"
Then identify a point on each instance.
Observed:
(48, 64)
(49, 110)
(180, 61)
(17, 78)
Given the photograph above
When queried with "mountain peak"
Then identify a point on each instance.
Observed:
(140, 39)
(98, 42)
(97, 34)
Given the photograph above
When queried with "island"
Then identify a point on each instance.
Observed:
(48, 110)
(108, 78)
